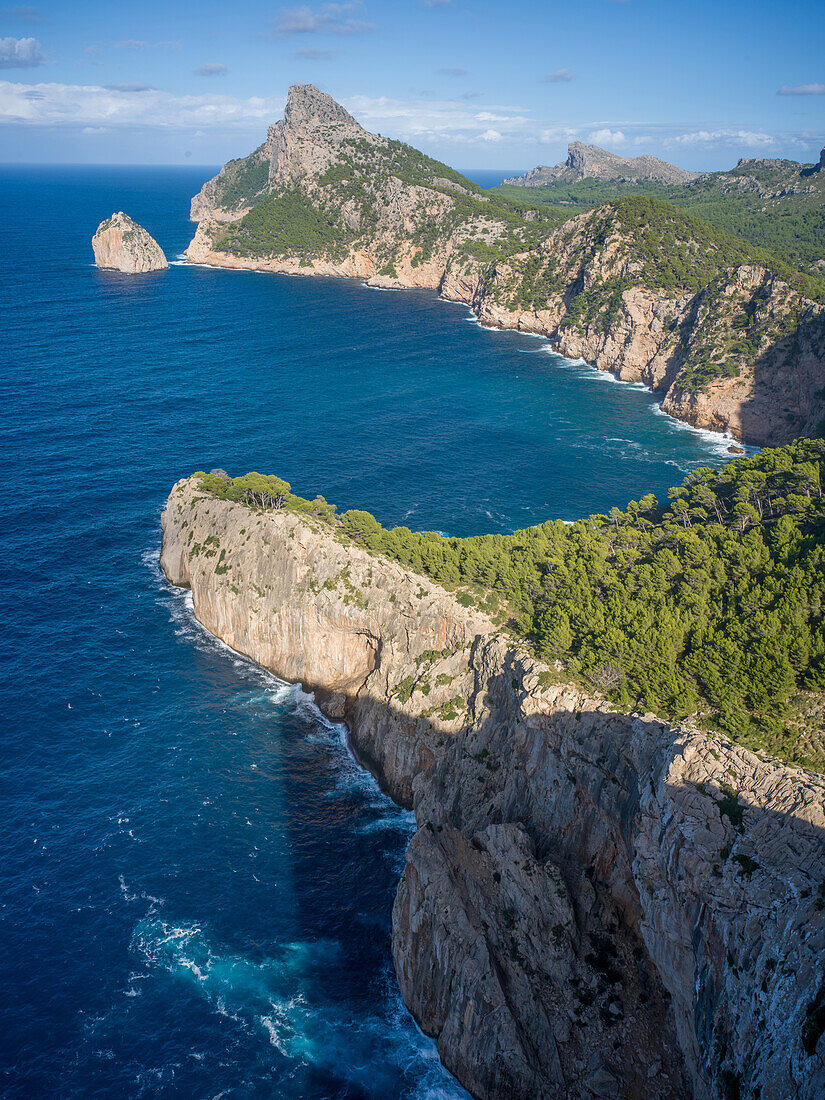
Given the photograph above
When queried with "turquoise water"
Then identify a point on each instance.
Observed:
(197, 880)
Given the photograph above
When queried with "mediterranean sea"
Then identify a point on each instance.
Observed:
(197, 880)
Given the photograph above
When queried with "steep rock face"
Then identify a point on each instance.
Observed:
(592, 161)
(778, 389)
(323, 196)
(123, 245)
(594, 904)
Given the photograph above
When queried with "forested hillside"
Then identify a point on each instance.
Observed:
(710, 604)
(777, 205)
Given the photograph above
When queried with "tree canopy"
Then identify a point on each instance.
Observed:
(709, 605)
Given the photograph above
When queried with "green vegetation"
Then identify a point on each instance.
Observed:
(242, 181)
(711, 605)
(775, 205)
(287, 223)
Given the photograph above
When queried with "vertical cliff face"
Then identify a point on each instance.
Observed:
(122, 245)
(594, 904)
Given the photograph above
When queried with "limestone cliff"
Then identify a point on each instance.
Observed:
(593, 162)
(633, 287)
(123, 245)
(595, 904)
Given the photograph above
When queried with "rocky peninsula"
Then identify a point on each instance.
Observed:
(120, 244)
(633, 287)
(595, 904)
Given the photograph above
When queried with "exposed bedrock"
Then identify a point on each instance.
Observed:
(122, 245)
(595, 904)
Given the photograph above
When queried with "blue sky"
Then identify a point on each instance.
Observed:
(472, 82)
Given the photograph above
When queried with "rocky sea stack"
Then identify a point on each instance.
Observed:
(122, 245)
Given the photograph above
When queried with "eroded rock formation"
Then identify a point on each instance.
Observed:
(595, 904)
(122, 245)
(592, 161)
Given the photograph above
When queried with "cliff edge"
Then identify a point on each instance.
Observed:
(122, 245)
(595, 904)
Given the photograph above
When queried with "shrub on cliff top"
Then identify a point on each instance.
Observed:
(711, 604)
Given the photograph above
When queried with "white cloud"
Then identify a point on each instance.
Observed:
(607, 137)
(802, 89)
(422, 122)
(560, 76)
(445, 120)
(489, 116)
(724, 136)
(20, 53)
(92, 105)
(452, 72)
(336, 18)
(130, 44)
(211, 68)
(314, 55)
(136, 87)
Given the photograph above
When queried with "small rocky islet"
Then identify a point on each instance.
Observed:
(120, 244)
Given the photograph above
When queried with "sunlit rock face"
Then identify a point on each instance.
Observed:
(595, 904)
(122, 245)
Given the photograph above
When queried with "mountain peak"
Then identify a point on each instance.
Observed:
(591, 161)
(308, 105)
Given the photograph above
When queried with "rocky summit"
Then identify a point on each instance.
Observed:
(120, 244)
(591, 161)
(729, 337)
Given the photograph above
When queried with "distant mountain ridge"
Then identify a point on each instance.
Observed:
(771, 202)
(732, 338)
(592, 161)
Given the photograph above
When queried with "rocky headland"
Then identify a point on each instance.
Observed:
(120, 244)
(633, 287)
(593, 162)
(595, 904)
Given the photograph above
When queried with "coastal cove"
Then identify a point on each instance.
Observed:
(184, 832)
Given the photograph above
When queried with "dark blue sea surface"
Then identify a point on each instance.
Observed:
(196, 879)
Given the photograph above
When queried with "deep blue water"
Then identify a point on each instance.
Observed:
(196, 880)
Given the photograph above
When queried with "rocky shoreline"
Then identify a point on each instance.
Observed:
(595, 904)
